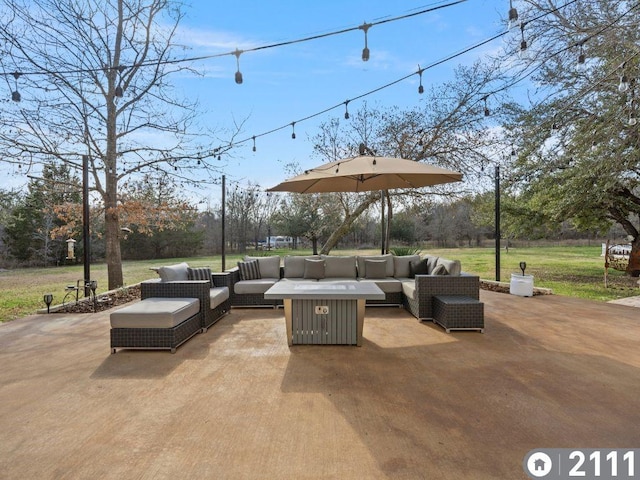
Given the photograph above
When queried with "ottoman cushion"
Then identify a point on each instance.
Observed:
(155, 313)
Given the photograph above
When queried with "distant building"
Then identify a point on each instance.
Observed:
(278, 242)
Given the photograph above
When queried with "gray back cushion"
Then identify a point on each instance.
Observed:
(173, 273)
(388, 258)
(339, 266)
(401, 265)
(294, 265)
(452, 267)
(269, 266)
(431, 262)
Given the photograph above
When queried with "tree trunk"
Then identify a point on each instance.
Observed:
(347, 223)
(633, 268)
(387, 240)
(314, 244)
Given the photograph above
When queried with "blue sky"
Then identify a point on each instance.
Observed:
(285, 84)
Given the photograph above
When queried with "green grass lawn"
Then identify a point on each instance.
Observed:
(572, 271)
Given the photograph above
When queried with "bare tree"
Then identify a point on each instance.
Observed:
(91, 78)
(450, 130)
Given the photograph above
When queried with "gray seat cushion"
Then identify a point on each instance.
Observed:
(218, 295)
(409, 288)
(387, 285)
(258, 286)
(155, 313)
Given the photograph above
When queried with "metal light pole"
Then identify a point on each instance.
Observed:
(86, 242)
(382, 224)
(224, 191)
(497, 234)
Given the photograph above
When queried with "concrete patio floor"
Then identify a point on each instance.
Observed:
(413, 402)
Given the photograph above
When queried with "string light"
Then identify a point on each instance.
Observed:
(420, 87)
(15, 95)
(346, 110)
(119, 91)
(523, 42)
(581, 55)
(293, 130)
(365, 51)
(633, 121)
(254, 143)
(624, 81)
(513, 13)
(237, 53)
(486, 108)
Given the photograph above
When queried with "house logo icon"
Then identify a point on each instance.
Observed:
(538, 464)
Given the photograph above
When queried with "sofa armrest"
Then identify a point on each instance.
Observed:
(221, 279)
(463, 284)
(429, 286)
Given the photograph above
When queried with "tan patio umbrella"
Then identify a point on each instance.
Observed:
(366, 173)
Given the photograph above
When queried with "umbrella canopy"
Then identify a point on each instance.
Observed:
(366, 173)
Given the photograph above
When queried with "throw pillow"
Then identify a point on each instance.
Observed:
(451, 266)
(418, 268)
(174, 273)
(313, 268)
(201, 273)
(249, 270)
(375, 268)
(440, 270)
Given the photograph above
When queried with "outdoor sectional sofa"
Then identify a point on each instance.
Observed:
(410, 281)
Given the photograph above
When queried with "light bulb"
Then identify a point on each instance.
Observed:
(513, 13)
(624, 84)
(237, 53)
(633, 121)
(365, 51)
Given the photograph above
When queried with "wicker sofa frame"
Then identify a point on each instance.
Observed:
(430, 286)
(421, 307)
(155, 338)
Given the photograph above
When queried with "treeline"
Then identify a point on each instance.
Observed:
(36, 224)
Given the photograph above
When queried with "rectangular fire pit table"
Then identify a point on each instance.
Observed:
(324, 313)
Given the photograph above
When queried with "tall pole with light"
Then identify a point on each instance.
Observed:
(86, 243)
(497, 220)
(223, 215)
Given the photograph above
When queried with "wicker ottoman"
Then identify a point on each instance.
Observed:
(454, 312)
(155, 323)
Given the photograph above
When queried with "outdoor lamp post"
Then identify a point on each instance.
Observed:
(48, 298)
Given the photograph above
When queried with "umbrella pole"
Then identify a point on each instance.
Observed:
(382, 225)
